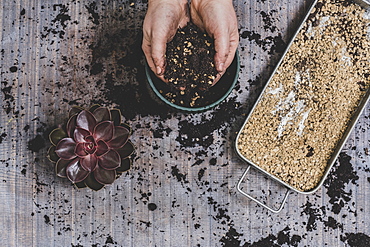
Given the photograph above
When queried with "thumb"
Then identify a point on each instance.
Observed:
(222, 47)
(158, 55)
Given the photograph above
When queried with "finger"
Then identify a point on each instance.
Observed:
(231, 55)
(147, 52)
(148, 55)
(229, 60)
(195, 18)
(222, 47)
(218, 77)
(158, 51)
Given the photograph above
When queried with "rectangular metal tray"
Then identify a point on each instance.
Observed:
(340, 144)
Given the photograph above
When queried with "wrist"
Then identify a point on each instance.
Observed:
(168, 1)
(197, 3)
(177, 6)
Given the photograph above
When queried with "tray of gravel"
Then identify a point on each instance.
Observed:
(312, 100)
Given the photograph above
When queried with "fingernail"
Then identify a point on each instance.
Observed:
(220, 67)
(159, 70)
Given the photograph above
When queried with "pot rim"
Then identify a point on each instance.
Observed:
(194, 109)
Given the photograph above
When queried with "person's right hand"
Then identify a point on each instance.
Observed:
(161, 22)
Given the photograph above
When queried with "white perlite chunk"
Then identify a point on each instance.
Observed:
(304, 111)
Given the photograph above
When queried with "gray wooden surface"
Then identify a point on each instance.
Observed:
(181, 190)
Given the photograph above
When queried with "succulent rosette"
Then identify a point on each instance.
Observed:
(93, 149)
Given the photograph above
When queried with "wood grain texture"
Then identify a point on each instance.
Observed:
(181, 190)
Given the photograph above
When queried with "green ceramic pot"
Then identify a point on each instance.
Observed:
(214, 96)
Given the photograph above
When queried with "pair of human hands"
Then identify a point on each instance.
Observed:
(164, 17)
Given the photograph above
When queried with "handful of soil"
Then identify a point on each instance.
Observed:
(189, 58)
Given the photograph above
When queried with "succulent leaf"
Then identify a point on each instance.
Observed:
(120, 137)
(52, 156)
(86, 120)
(102, 114)
(125, 125)
(80, 134)
(125, 165)
(102, 148)
(93, 107)
(110, 160)
(89, 139)
(80, 150)
(71, 126)
(56, 135)
(74, 111)
(104, 176)
(89, 162)
(104, 131)
(66, 149)
(60, 168)
(126, 150)
(116, 116)
(91, 182)
(80, 185)
(74, 171)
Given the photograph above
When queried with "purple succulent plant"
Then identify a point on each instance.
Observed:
(93, 149)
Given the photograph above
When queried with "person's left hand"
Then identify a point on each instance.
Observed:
(218, 19)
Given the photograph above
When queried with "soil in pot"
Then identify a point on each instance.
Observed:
(190, 70)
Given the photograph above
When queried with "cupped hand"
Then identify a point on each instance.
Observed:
(218, 19)
(161, 22)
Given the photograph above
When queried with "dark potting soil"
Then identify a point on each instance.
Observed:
(189, 58)
(190, 65)
(196, 98)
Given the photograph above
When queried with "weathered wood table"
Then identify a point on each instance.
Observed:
(181, 190)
